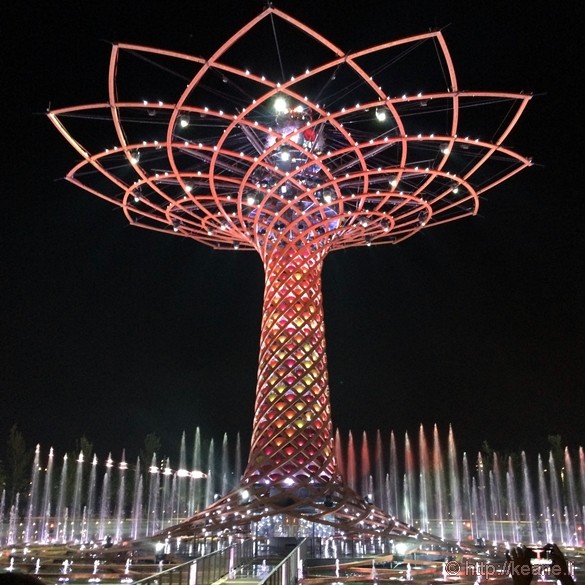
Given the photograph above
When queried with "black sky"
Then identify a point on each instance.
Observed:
(113, 332)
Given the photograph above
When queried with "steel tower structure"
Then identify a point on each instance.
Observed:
(293, 166)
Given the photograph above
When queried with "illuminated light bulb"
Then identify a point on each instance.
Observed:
(135, 157)
(445, 148)
(184, 121)
(284, 155)
(280, 105)
(380, 114)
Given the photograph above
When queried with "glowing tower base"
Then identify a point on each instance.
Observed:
(291, 467)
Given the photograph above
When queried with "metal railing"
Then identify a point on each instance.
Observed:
(206, 569)
(287, 571)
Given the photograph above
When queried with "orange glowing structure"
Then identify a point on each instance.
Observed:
(331, 156)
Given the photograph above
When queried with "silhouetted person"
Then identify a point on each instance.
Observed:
(523, 571)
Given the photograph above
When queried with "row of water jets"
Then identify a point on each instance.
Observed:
(426, 483)
(66, 568)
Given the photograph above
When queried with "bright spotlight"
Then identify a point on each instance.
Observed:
(284, 154)
(380, 114)
(401, 548)
(184, 121)
(280, 105)
(328, 195)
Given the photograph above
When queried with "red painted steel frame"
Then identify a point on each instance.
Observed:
(293, 186)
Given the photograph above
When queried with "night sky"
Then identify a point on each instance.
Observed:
(113, 332)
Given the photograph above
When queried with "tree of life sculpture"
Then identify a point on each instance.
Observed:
(333, 156)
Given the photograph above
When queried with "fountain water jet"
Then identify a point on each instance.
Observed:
(409, 482)
(379, 490)
(105, 501)
(195, 494)
(456, 513)
(424, 487)
(137, 502)
(30, 532)
(46, 504)
(152, 525)
(76, 510)
(438, 482)
(503, 506)
(351, 463)
(392, 491)
(61, 523)
(210, 488)
(527, 495)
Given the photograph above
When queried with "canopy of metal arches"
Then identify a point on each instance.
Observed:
(293, 166)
